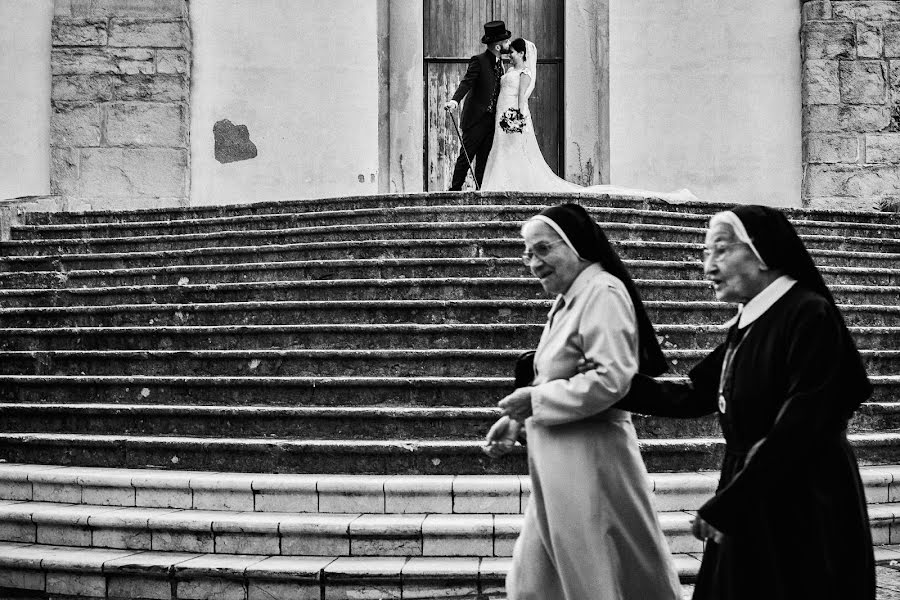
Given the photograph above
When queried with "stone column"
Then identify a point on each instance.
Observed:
(851, 104)
(384, 96)
(120, 103)
(586, 99)
(406, 96)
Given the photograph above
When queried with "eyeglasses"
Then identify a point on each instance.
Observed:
(541, 250)
(718, 251)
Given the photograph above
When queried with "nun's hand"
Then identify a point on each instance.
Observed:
(703, 531)
(517, 405)
(502, 437)
(585, 364)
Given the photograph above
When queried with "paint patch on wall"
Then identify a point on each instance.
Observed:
(232, 142)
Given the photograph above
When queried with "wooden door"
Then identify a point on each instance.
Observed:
(453, 30)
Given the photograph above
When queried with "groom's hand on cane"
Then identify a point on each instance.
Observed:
(450, 105)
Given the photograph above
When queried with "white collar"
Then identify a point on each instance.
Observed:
(763, 301)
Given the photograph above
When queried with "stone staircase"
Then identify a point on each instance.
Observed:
(287, 400)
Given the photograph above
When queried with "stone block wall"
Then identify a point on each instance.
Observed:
(120, 103)
(851, 104)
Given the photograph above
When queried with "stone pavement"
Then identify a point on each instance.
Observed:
(889, 581)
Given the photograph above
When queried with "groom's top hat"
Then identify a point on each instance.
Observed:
(495, 31)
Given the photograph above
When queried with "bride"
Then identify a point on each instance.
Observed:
(515, 161)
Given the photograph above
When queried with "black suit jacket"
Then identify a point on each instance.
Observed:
(480, 83)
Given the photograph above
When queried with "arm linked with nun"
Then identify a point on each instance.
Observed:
(607, 331)
(694, 398)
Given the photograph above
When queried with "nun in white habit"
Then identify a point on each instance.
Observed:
(590, 530)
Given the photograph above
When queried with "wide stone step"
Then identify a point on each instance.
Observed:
(80, 573)
(420, 201)
(263, 363)
(382, 312)
(380, 457)
(450, 288)
(412, 268)
(412, 230)
(405, 214)
(454, 362)
(274, 391)
(35, 569)
(327, 494)
(292, 534)
(336, 423)
(354, 203)
(374, 249)
(352, 336)
(325, 336)
(392, 268)
(625, 201)
(112, 574)
(288, 391)
(335, 233)
(397, 214)
(332, 423)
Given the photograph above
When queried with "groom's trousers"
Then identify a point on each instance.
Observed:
(477, 140)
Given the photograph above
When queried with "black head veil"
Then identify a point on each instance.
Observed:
(781, 248)
(591, 243)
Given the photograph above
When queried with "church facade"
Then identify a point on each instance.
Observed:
(112, 104)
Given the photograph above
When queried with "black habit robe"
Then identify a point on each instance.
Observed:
(790, 500)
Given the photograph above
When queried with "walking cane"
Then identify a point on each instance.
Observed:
(463, 146)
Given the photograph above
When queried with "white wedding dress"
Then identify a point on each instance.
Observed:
(516, 163)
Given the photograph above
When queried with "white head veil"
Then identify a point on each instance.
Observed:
(531, 64)
(726, 217)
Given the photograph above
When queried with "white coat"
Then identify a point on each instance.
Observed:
(590, 530)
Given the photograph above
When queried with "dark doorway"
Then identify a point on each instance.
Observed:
(453, 30)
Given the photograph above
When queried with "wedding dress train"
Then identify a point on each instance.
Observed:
(516, 163)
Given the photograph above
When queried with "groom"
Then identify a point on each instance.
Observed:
(482, 85)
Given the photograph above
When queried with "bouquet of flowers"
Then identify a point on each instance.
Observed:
(512, 121)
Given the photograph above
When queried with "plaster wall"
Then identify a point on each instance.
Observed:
(705, 94)
(25, 97)
(586, 135)
(302, 75)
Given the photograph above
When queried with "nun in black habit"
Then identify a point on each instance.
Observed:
(789, 517)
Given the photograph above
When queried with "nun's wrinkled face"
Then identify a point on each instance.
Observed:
(550, 258)
(732, 267)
